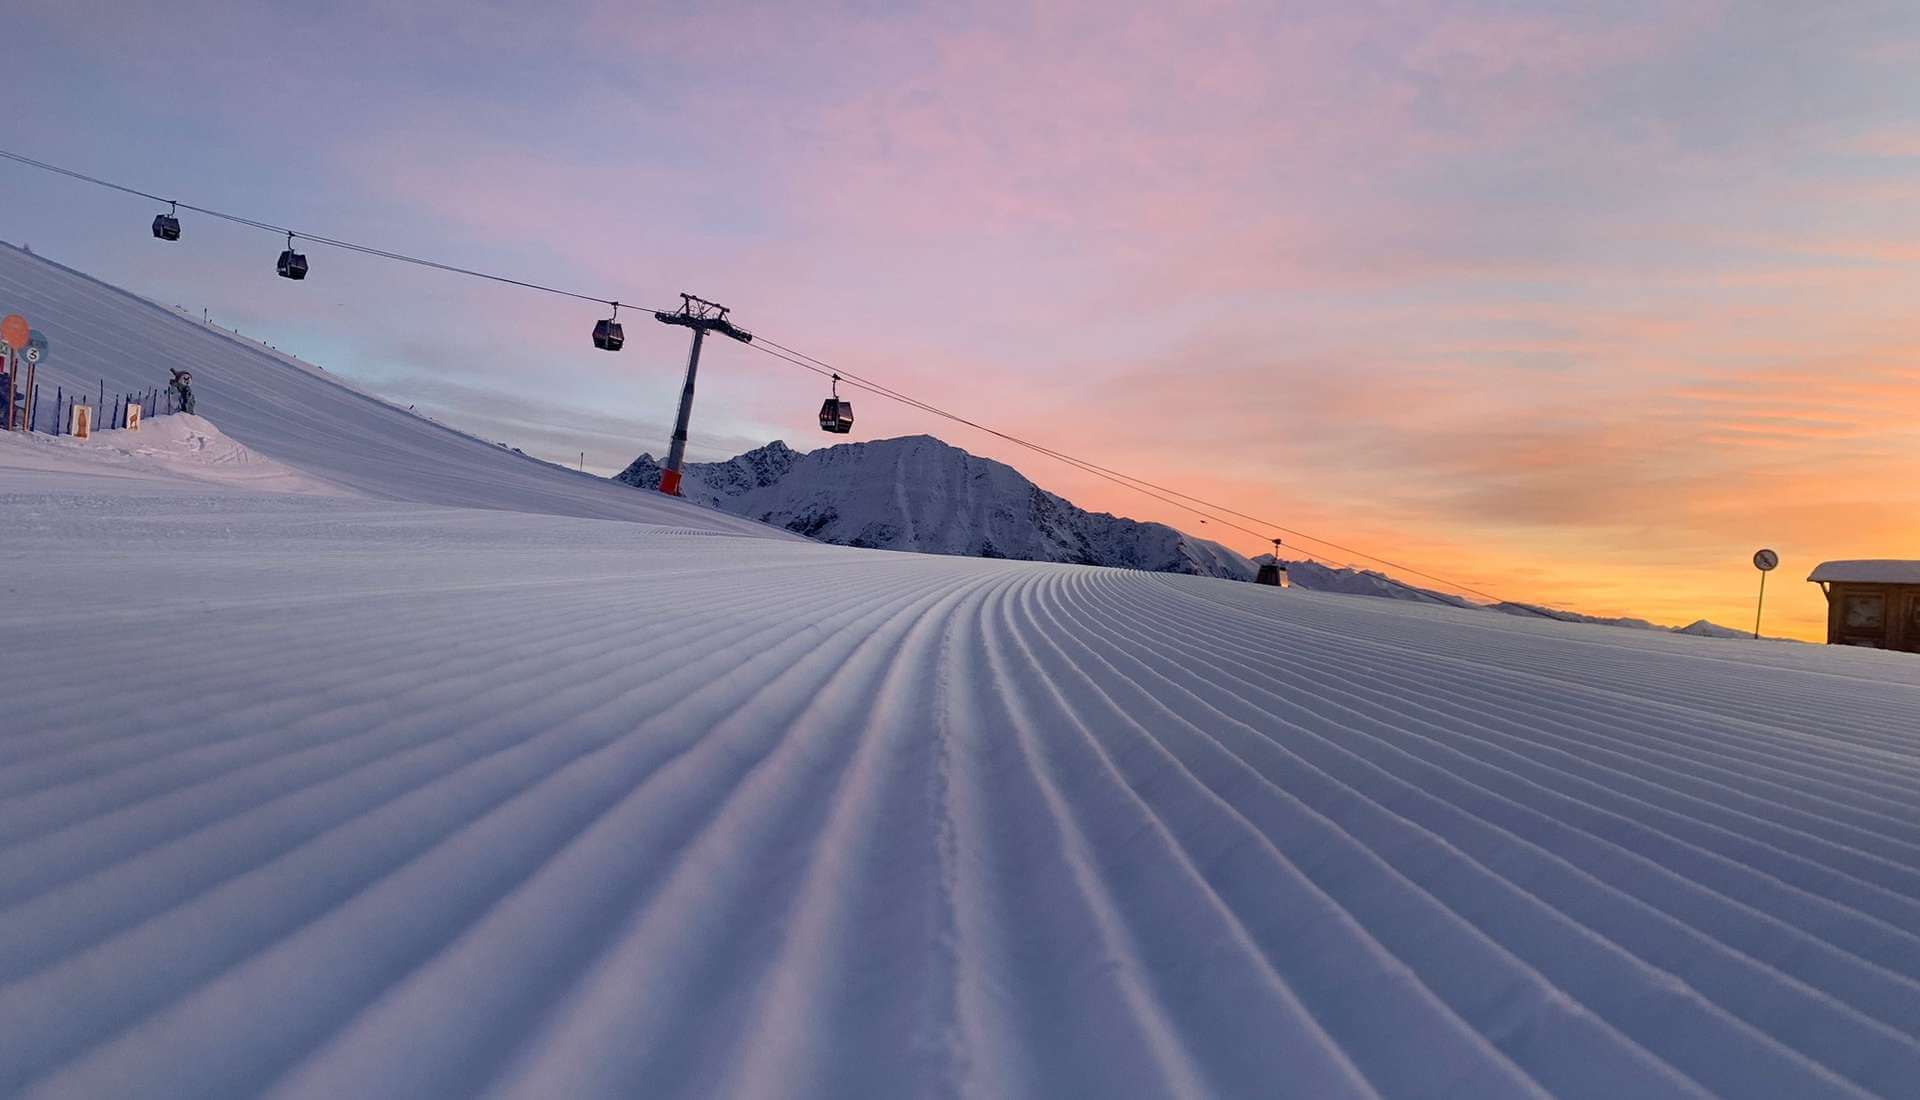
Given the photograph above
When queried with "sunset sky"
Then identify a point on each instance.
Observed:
(1576, 308)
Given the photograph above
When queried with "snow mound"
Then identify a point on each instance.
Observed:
(178, 446)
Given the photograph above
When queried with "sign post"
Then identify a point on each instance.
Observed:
(13, 333)
(1764, 561)
(36, 350)
(24, 382)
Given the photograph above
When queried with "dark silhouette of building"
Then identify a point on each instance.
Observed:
(1871, 603)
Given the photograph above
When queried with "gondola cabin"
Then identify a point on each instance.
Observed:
(836, 416)
(166, 227)
(609, 336)
(1871, 603)
(293, 265)
(1272, 571)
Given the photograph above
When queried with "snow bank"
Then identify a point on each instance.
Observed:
(179, 446)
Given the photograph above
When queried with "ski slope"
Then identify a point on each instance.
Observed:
(373, 791)
(294, 413)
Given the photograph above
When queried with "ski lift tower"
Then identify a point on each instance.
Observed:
(701, 316)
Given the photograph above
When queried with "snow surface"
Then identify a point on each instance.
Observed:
(1881, 571)
(175, 445)
(359, 794)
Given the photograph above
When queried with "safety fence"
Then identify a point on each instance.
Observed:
(27, 414)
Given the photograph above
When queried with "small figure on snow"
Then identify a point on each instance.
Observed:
(182, 385)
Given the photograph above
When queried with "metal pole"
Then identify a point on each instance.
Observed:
(1761, 606)
(677, 450)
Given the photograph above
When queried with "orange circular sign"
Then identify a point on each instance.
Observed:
(14, 331)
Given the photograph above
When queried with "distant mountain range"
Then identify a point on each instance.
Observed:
(921, 494)
(1699, 627)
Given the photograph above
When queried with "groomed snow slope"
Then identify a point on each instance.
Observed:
(326, 797)
(322, 795)
(296, 414)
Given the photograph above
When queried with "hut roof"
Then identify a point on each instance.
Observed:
(1883, 571)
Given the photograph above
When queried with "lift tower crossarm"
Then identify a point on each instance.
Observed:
(702, 317)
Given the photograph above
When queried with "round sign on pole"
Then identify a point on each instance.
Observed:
(1765, 560)
(32, 354)
(14, 331)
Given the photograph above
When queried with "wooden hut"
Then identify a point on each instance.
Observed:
(1871, 603)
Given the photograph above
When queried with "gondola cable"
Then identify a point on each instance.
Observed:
(317, 238)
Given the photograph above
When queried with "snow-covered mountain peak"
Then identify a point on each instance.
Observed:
(918, 492)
